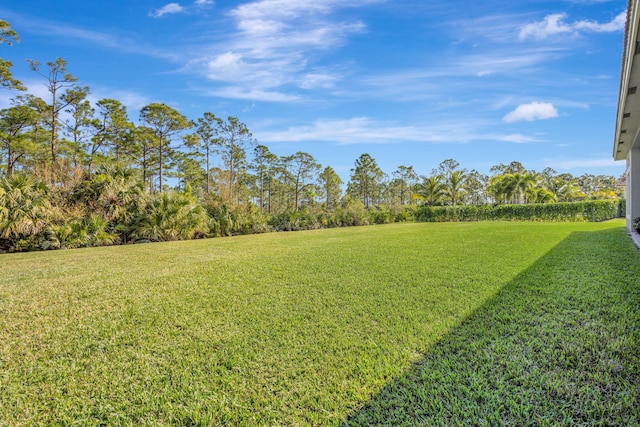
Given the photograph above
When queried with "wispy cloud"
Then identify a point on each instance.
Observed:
(590, 1)
(518, 138)
(134, 101)
(532, 111)
(500, 28)
(253, 94)
(556, 24)
(175, 8)
(272, 46)
(364, 130)
(167, 9)
(64, 30)
(504, 61)
(457, 77)
(582, 163)
(37, 87)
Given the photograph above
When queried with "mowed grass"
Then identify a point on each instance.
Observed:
(449, 324)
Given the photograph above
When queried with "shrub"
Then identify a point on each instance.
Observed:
(25, 210)
(295, 221)
(221, 222)
(171, 216)
(351, 213)
(77, 233)
(380, 215)
(595, 210)
(405, 215)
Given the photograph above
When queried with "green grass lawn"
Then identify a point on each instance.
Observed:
(414, 324)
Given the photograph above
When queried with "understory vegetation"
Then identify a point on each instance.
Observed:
(399, 324)
(113, 208)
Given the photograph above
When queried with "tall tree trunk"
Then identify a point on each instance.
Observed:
(160, 164)
(53, 136)
(10, 161)
(207, 171)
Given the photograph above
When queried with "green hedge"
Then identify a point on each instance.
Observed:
(595, 210)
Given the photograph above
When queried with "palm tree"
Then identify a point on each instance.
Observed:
(497, 189)
(122, 195)
(511, 187)
(84, 232)
(565, 188)
(431, 189)
(115, 194)
(454, 186)
(24, 209)
(540, 195)
(172, 216)
(570, 192)
(523, 183)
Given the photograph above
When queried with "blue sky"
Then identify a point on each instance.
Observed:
(411, 82)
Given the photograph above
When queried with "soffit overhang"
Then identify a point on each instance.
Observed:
(628, 113)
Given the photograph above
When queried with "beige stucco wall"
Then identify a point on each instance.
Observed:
(633, 186)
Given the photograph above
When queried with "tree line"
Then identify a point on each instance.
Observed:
(73, 173)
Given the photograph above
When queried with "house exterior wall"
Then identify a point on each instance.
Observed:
(627, 134)
(633, 186)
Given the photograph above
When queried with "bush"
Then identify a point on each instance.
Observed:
(25, 212)
(351, 213)
(77, 233)
(405, 215)
(171, 216)
(380, 215)
(595, 210)
(295, 221)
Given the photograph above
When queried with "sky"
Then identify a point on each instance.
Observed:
(410, 82)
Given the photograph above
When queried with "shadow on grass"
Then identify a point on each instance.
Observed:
(557, 346)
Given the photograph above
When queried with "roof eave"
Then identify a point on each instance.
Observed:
(622, 143)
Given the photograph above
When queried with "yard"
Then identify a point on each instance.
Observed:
(434, 323)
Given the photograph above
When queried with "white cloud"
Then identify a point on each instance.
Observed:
(36, 87)
(555, 24)
(273, 46)
(518, 138)
(532, 111)
(589, 1)
(502, 62)
(498, 28)
(551, 25)
(314, 80)
(167, 9)
(235, 92)
(617, 24)
(455, 77)
(582, 163)
(173, 8)
(111, 40)
(287, 28)
(364, 130)
(227, 66)
(359, 130)
(132, 100)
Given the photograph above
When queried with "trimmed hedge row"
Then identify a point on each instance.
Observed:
(594, 210)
